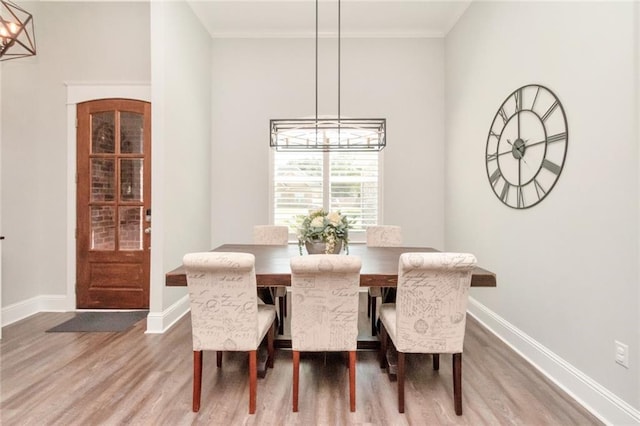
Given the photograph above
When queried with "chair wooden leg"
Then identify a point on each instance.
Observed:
(296, 379)
(281, 310)
(284, 301)
(436, 361)
(270, 339)
(368, 304)
(457, 383)
(374, 302)
(253, 380)
(197, 379)
(352, 380)
(218, 359)
(400, 382)
(383, 346)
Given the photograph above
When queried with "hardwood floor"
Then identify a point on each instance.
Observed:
(140, 379)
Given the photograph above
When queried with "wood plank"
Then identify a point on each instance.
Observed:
(138, 378)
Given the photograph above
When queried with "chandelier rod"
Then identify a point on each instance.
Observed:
(339, 57)
(339, 66)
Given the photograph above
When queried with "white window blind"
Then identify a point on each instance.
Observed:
(345, 181)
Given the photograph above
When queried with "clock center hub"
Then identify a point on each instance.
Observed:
(518, 148)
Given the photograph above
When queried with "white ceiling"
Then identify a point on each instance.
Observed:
(359, 18)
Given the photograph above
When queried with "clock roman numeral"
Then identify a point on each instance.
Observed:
(491, 157)
(535, 98)
(551, 166)
(503, 114)
(504, 195)
(539, 189)
(558, 137)
(494, 177)
(494, 134)
(520, 197)
(550, 111)
(518, 99)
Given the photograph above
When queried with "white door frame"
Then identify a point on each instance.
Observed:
(80, 92)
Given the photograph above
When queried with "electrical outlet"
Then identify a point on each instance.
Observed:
(622, 354)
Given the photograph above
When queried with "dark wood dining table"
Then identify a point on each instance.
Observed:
(379, 269)
(379, 265)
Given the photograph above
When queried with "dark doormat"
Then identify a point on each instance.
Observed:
(100, 321)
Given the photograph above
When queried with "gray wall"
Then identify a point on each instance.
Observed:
(181, 97)
(567, 268)
(258, 79)
(75, 42)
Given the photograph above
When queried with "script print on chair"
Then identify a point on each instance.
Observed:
(429, 315)
(380, 236)
(274, 235)
(324, 311)
(225, 314)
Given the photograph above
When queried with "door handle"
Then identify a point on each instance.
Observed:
(147, 230)
(1, 237)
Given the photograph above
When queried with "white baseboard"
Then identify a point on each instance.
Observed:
(26, 308)
(158, 323)
(601, 402)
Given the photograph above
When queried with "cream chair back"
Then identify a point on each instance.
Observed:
(273, 235)
(325, 302)
(224, 304)
(431, 301)
(384, 236)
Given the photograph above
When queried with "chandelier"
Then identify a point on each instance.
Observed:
(17, 38)
(328, 134)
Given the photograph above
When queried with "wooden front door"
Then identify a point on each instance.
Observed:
(113, 204)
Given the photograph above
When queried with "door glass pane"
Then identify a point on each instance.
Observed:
(102, 136)
(131, 133)
(103, 230)
(131, 179)
(102, 179)
(130, 228)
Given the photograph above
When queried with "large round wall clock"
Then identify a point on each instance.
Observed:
(526, 146)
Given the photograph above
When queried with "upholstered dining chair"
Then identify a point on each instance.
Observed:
(324, 311)
(429, 315)
(380, 236)
(225, 314)
(274, 235)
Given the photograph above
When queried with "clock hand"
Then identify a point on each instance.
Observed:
(519, 171)
(537, 143)
(499, 154)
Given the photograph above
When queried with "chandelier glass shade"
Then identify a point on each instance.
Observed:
(17, 36)
(345, 134)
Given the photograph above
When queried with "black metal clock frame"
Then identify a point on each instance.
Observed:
(526, 146)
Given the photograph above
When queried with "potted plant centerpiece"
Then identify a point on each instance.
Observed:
(323, 232)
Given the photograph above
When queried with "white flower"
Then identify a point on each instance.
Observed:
(334, 218)
(317, 222)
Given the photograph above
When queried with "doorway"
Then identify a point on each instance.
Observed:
(113, 204)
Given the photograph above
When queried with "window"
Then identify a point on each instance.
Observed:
(345, 181)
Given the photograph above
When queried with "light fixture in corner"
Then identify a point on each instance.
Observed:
(328, 134)
(17, 37)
